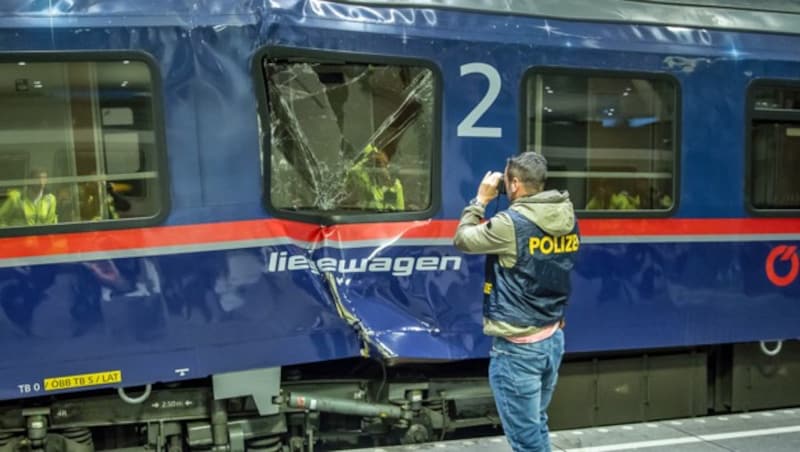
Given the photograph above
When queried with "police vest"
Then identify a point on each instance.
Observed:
(534, 291)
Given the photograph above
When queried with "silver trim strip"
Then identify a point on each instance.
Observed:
(217, 246)
(79, 179)
(243, 244)
(609, 174)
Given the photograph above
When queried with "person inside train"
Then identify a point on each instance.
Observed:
(66, 203)
(34, 205)
(115, 202)
(624, 200)
(531, 249)
(661, 199)
(601, 195)
(606, 197)
(370, 182)
(96, 205)
(371, 185)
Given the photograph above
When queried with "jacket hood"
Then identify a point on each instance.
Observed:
(551, 210)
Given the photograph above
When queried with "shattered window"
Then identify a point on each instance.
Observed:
(350, 138)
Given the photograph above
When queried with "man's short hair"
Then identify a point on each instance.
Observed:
(530, 168)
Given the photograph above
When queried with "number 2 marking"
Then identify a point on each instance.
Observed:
(467, 127)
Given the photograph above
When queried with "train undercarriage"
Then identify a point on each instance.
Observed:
(321, 407)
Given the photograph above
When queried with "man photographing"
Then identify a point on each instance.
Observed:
(531, 249)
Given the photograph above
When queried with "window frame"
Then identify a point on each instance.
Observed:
(750, 115)
(160, 143)
(302, 55)
(606, 73)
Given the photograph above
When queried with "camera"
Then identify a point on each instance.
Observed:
(501, 186)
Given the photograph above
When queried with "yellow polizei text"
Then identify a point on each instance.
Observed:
(549, 245)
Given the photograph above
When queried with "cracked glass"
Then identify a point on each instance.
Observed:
(349, 138)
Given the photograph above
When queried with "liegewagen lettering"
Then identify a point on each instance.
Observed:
(397, 266)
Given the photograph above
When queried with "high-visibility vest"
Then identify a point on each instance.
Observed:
(377, 196)
(624, 201)
(21, 211)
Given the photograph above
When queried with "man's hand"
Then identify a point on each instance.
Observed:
(488, 188)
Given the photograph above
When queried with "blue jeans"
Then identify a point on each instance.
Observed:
(523, 377)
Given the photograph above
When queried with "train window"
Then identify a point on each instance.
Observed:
(350, 139)
(610, 140)
(774, 148)
(77, 143)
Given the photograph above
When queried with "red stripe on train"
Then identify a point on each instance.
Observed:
(199, 234)
(693, 226)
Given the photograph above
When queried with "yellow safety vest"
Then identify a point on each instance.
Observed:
(624, 201)
(376, 196)
(19, 211)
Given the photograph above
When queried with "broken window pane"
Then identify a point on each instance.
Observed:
(350, 137)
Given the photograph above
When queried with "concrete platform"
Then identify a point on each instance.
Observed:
(767, 431)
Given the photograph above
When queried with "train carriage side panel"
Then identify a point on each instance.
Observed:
(212, 291)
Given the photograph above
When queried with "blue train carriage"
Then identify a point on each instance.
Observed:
(213, 212)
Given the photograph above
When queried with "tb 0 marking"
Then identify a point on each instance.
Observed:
(28, 388)
(72, 382)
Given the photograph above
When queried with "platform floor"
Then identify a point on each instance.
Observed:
(765, 431)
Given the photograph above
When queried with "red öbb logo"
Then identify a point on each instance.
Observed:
(786, 253)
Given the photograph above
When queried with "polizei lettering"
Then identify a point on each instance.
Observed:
(397, 266)
(548, 245)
